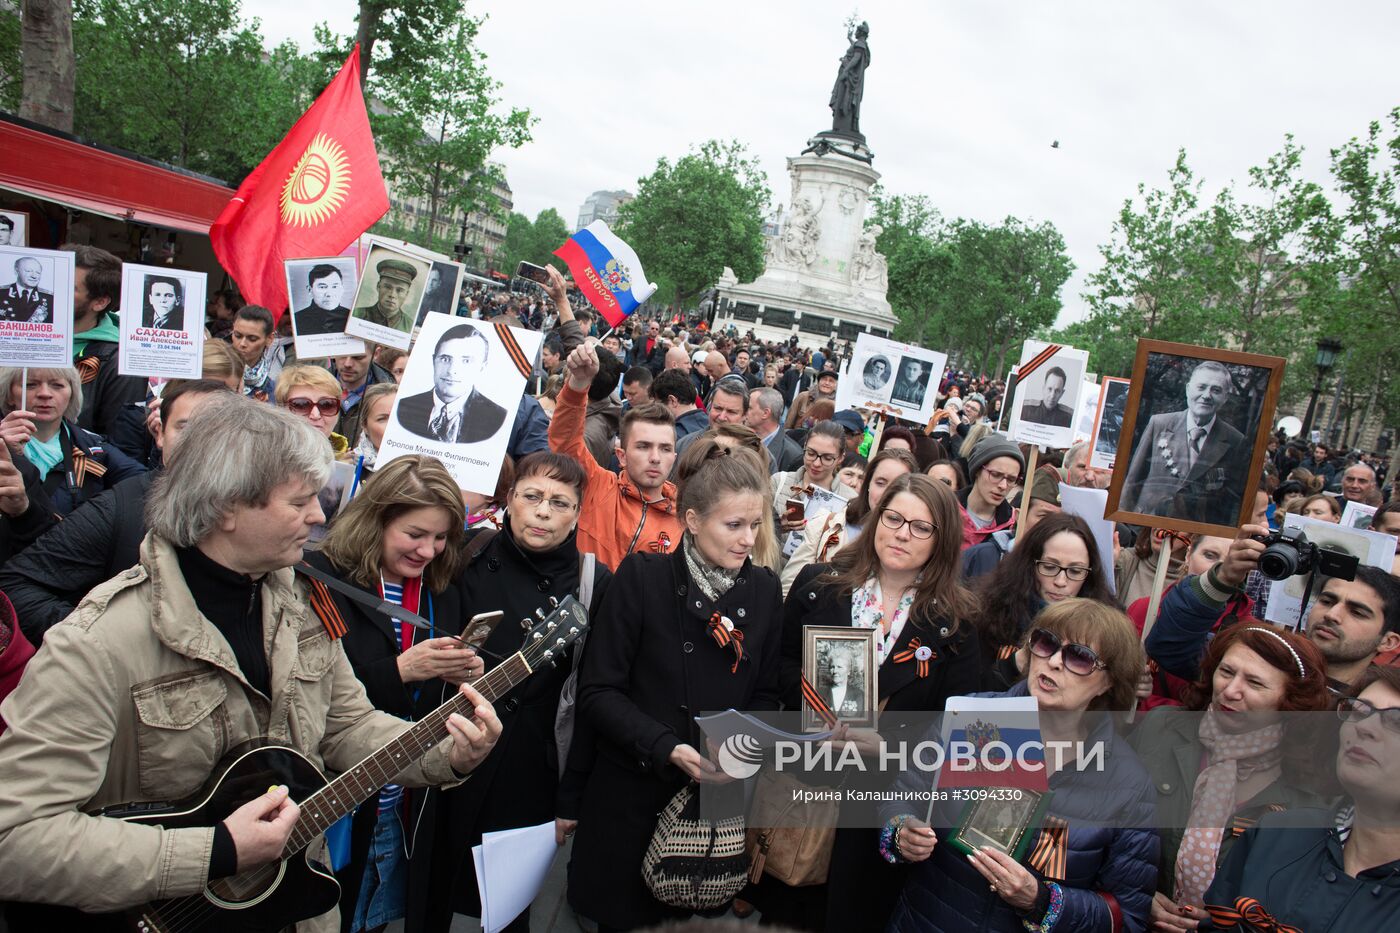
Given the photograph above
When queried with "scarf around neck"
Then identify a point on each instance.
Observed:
(714, 581)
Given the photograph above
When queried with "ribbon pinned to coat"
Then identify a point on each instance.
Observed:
(916, 652)
(724, 633)
(662, 544)
(1249, 912)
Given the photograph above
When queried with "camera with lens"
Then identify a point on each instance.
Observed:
(1290, 553)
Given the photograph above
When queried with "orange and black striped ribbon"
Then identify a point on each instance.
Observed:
(833, 541)
(325, 608)
(517, 355)
(725, 636)
(1250, 913)
(1035, 362)
(84, 466)
(818, 705)
(1005, 652)
(662, 544)
(88, 367)
(911, 654)
(1051, 853)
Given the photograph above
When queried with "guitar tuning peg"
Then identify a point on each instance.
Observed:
(553, 603)
(539, 614)
(525, 624)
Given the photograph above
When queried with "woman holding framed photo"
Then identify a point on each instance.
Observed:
(1082, 872)
(900, 579)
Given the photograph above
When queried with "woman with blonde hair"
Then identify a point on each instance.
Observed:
(222, 364)
(739, 440)
(398, 540)
(377, 404)
(309, 391)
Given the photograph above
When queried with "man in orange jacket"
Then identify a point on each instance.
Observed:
(635, 511)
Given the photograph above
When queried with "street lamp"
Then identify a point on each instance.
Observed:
(1327, 350)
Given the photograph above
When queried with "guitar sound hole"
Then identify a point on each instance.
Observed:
(249, 886)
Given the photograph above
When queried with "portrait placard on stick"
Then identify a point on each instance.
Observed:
(887, 372)
(1088, 408)
(1108, 422)
(162, 322)
(1194, 438)
(391, 289)
(36, 307)
(317, 292)
(1049, 382)
(458, 397)
(14, 228)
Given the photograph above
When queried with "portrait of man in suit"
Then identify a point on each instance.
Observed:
(454, 412)
(439, 294)
(1047, 409)
(1191, 464)
(23, 299)
(325, 314)
(164, 307)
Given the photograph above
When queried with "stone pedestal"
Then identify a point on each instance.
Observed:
(823, 278)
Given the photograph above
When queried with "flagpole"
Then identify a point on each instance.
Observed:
(24, 389)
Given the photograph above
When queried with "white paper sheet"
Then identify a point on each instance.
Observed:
(511, 866)
(1089, 504)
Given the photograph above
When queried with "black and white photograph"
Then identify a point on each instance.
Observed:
(440, 295)
(162, 322)
(318, 292)
(1049, 384)
(1196, 431)
(392, 283)
(36, 307)
(14, 228)
(1108, 422)
(458, 397)
(884, 372)
(840, 664)
(875, 375)
(1001, 822)
(1088, 408)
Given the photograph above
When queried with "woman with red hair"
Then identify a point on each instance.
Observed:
(1228, 756)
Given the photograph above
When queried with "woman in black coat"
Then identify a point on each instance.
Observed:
(653, 662)
(902, 576)
(397, 540)
(533, 558)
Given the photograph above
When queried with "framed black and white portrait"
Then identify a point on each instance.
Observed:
(886, 374)
(1049, 383)
(36, 306)
(911, 382)
(840, 664)
(1194, 437)
(440, 292)
(14, 228)
(392, 282)
(162, 322)
(319, 291)
(1108, 422)
(875, 374)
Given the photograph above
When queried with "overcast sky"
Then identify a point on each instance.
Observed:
(962, 99)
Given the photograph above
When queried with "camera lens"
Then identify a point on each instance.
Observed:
(1279, 561)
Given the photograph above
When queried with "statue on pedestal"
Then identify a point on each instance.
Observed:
(850, 86)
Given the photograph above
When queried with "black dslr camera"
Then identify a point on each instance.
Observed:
(1288, 554)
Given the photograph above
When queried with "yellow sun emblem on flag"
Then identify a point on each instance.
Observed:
(317, 184)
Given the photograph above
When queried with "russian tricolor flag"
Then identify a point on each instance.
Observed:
(606, 270)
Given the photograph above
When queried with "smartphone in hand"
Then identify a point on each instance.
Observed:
(537, 274)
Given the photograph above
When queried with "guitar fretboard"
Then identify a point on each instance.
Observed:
(341, 796)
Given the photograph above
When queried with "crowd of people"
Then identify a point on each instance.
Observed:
(178, 582)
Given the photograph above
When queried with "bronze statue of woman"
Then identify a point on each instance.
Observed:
(850, 86)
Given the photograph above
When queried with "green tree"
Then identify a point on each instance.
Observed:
(533, 242)
(694, 217)
(397, 37)
(11, 75)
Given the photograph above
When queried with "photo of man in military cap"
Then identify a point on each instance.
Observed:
(391, 289)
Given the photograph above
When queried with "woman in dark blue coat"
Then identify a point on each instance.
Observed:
(1097, 870)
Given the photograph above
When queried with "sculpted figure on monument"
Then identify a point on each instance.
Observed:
(863, 262)
(802, 233)
(850, 85)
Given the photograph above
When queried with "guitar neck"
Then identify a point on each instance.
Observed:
(361, 782)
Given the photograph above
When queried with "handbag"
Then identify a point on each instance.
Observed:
(788, 837)
(693, 863)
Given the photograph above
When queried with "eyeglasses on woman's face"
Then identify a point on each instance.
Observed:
(1077, 659)
(895, 521)
(811, 454)
(1355, 709)
(328, 407)
(1048, 568)
(556, 505)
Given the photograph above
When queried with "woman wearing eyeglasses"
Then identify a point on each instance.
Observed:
(995, 465)
(1229, 757)
(1327, 870)
(397, 541)
(1089, 866)
(310, 392)
(824, 448)
(533, 558)
(1054, 561)
(900, 577)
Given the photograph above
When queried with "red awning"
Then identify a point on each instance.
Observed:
(56, 168)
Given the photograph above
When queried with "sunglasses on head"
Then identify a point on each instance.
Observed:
(302, 406)
(1077, 659)
(1355, 709)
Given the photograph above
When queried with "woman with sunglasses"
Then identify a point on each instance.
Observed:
(532, 560)
(1334, 870)
(309, 392)
(822, 539)
(899, 577)
(823, 449)
(1085, 872)
(1054, 561)
(1229, 756)
(396, 541)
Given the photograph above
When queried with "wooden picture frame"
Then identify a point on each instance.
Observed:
(823, 644)
(1160, 482)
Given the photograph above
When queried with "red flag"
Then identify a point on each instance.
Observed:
(312, 196)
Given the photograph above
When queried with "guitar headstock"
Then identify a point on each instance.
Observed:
(552, 635)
